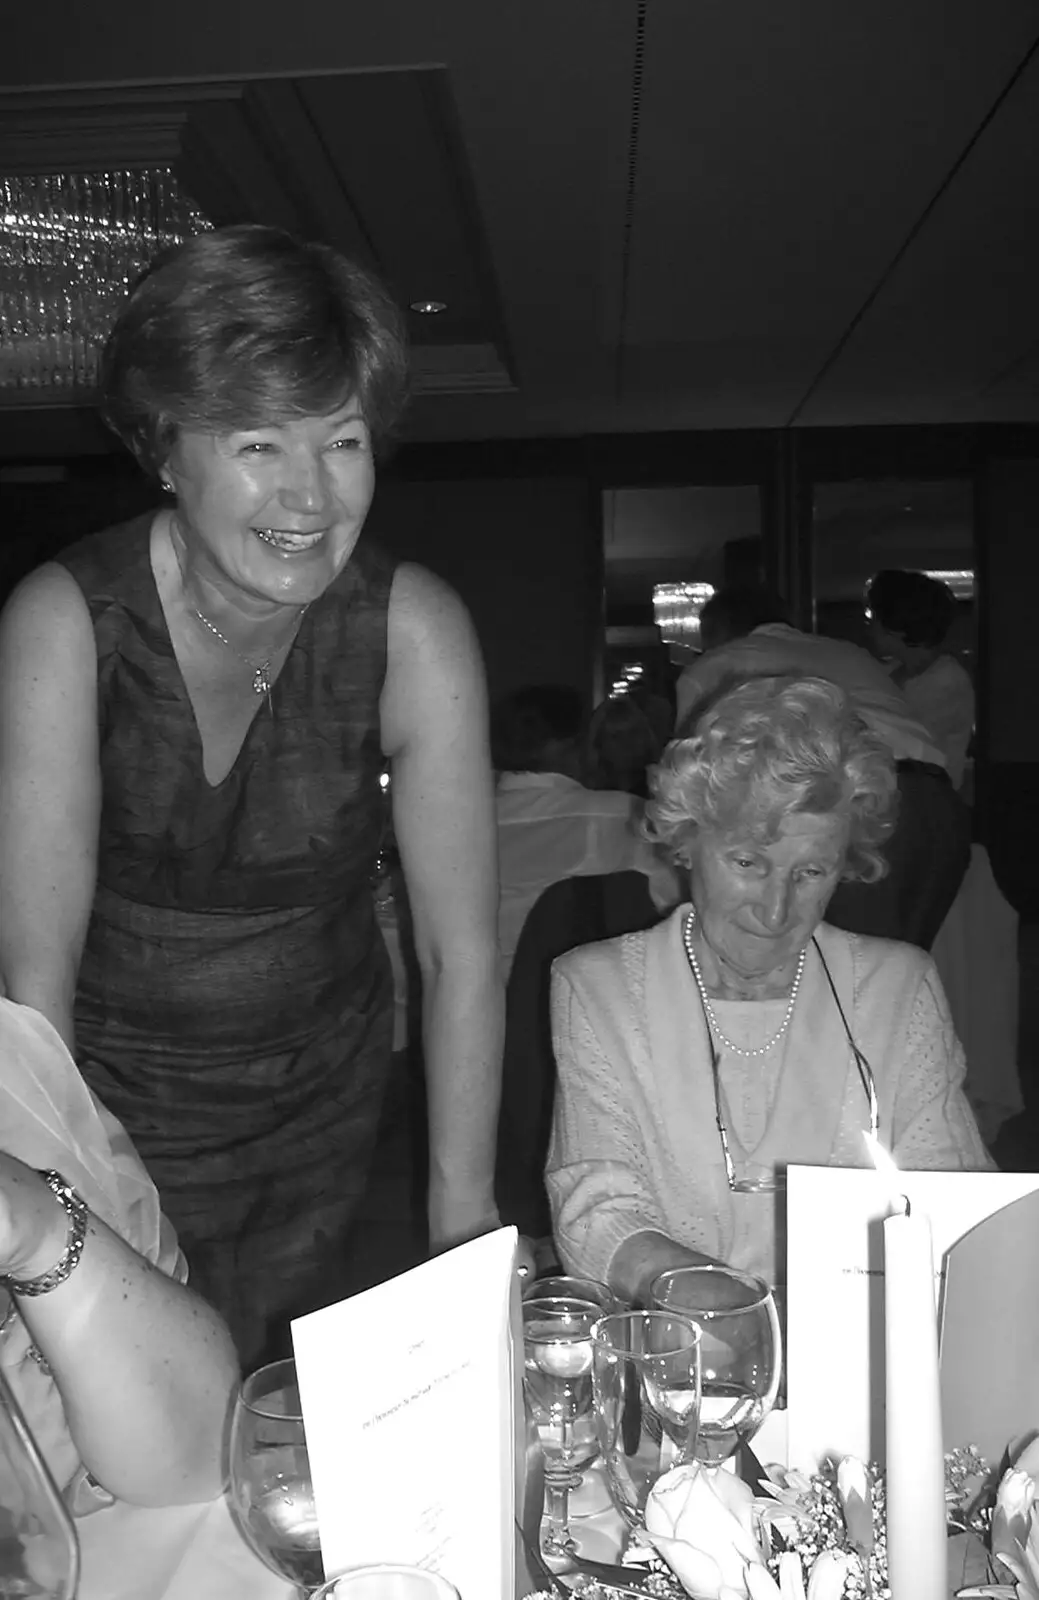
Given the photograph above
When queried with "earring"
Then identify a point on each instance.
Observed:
(167, 486)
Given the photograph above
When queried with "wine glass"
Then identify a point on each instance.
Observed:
(271, 1492)
(39, 1550)
(646, 1382)
(741, 1350)
(557, 1388)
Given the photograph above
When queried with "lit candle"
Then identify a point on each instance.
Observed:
(916, 1537)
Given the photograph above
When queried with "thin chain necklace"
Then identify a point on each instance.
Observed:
(261, 670)
(736, 1049)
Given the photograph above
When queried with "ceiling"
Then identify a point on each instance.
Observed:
(642, 214)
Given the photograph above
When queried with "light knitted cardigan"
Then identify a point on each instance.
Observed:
(634, 1143)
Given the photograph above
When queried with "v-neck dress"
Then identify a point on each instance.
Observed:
(234, 1005)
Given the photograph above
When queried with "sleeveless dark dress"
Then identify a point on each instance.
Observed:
(234, 1005)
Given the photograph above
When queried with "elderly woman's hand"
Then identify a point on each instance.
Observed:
(33, 1224)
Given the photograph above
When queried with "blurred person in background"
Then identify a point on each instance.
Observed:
(910, 617)
(619, 746)
(746, 634)
(552, 826)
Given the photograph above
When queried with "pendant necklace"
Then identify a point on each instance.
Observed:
(261, 670)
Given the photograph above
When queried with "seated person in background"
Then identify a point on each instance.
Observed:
(910, 617)
(743, 1033)
(124, 1375)
(549, 825)
(745, 633)
(620, 746)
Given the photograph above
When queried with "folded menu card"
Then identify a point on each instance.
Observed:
(990, 1347)
(835, 1293)
(408, 1404)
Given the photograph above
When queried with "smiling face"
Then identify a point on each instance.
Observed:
(759, 904)
(272, 514)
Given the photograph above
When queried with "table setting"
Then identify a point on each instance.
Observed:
(455, 1434)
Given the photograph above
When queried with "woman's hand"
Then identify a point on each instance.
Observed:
(33, 1222)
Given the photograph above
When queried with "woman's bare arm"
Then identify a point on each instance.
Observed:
(434, 723)
(50, 791)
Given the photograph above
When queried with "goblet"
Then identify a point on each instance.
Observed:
(646, 1381)
(740, 1350)
(39, 1551)
(271, 1493)
(557, 1388)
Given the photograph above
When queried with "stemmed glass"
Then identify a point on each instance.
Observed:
(646, 1381)
(39, 1551)
(271, 1492)
(557, 1388)
(741, 1350)
(590, 1495)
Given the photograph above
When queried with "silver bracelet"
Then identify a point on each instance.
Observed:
(77, 1211)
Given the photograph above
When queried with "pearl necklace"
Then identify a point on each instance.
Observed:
(736, 1049)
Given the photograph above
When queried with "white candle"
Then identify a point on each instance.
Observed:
(916, 1537)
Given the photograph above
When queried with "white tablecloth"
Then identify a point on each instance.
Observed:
(184, 1553)
(197, 1553)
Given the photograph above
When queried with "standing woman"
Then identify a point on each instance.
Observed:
(194, 711)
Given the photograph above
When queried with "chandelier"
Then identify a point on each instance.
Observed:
(676, 611)
(71, 247)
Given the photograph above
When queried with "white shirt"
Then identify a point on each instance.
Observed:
(550, 827)
(778, 649)
(942, 696)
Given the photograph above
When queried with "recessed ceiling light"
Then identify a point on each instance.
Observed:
(428, 308)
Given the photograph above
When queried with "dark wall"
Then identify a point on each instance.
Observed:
(526, 557)
(1009, 655)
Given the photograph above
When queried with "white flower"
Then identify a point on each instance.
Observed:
(826, 1582)
(701, 1521)
(1015, 1526)
(854, 1488)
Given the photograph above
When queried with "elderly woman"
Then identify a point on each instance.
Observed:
(125, 1376)
(195, 712)
(698, 1059)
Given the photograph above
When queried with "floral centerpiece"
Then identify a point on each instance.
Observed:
(709, 1536)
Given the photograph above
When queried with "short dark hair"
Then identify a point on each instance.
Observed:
(528, 724)
(244, 327)
(918, 608)
(739, 608)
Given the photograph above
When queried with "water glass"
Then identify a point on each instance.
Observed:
(646, 1383)
(557, 1389)
(740, 1350)
(271, 1492)
(384, 1582)
(564, 1285)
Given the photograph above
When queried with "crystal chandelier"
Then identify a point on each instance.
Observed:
(71, 246)
(677, 607)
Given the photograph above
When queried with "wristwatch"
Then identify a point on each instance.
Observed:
(77, 1211)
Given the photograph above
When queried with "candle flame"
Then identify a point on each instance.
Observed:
(887, 1167)
(882, 1159)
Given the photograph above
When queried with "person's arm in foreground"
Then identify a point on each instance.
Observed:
(50, 791)
(607, 1220)
(434, 722)
(145, 1369)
